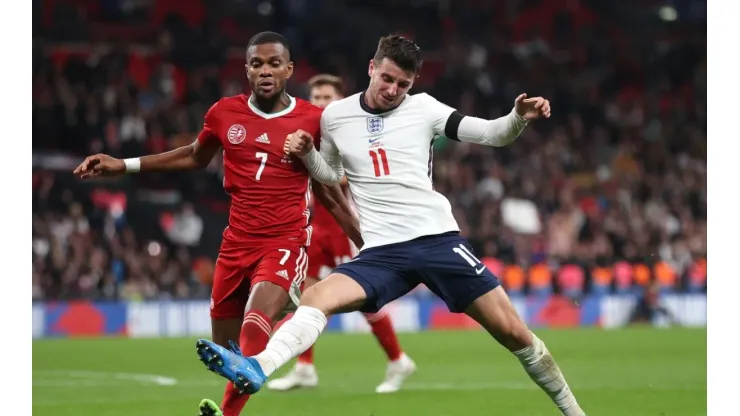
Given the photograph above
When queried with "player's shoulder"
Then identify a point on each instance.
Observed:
(345, 107)
(229, 102)
(304, 107)
(423, 99)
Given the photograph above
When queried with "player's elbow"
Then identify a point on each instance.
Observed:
(502, 141)
(197, 159)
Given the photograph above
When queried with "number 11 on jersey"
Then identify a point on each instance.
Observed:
(380, 162)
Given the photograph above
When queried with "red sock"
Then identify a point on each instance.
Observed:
(306, 357)
(255, 333)
(385, 334)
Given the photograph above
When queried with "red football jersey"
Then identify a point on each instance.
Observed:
(269, 190)
(322, 218)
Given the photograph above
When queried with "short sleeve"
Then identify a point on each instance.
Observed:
(209, 133)
(437, 113)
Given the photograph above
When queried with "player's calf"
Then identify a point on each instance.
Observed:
(304, 373)
(400, 366)
(497, 315)
(338, 293)
(266, 303)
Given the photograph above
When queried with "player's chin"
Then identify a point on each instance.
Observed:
(385, 103)
(267, 91)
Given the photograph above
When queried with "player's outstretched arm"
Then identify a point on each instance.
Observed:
(500, 132)
(332, 198)
(326, 166)
(503, 130)
(193, 156)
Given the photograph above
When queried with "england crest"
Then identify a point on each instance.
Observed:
(374, 125)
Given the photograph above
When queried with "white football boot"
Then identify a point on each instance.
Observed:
(301, 376)
(396, 374)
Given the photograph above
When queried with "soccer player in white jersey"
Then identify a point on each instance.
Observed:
(382, 140)
(329, 248)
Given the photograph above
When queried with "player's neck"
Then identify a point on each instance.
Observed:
(271, 105)
(369, 105)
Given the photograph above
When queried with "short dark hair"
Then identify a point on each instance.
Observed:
(269, 37)
(325, 79)
(403, 52)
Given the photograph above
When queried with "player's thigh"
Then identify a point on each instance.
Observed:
(337, 293)
(284, 268)
(230, 289)
(374, 278)
(497, 315)
(451, 270)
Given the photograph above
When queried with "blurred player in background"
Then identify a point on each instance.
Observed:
(262, 260)
(382, 139)
(329, 248)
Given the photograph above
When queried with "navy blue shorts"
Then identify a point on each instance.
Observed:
(445, 263)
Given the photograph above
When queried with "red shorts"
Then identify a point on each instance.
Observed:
(327, 251)
(240, 268)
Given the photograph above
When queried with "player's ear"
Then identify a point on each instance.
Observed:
(371, 68)
(290, 69)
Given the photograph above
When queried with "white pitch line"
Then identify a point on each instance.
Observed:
(87, 376)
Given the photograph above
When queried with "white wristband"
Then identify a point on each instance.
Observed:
(132, 165)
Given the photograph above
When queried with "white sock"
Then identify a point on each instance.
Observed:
(541, 367)
(292, 339)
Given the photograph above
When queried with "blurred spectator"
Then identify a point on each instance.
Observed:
(187, 227)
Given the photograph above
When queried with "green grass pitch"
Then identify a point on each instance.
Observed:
(629, 372)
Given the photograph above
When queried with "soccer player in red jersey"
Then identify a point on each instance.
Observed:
(329, 248)
(262, 261)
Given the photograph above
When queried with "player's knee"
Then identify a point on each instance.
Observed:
(312, 296)
(319, 296)
(513, 333)
(268, 299)
(374, 317)
(309, 282)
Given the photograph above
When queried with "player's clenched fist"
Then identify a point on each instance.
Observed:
(298, 143)
(532, 108)
(100, 165)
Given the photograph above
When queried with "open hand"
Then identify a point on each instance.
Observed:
(532, 108)
(100, 165)
(298, 143)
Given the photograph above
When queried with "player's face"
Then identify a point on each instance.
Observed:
(268, 69)
(323, 95)
(388, 83)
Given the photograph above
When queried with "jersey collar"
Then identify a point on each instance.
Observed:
(366, 108)
(262, 114)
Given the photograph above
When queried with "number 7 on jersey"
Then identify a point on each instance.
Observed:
(380, 162)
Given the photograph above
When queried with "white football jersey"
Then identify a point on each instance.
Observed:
(387, 158)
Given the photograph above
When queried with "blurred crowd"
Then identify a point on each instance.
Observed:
(617, 176)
